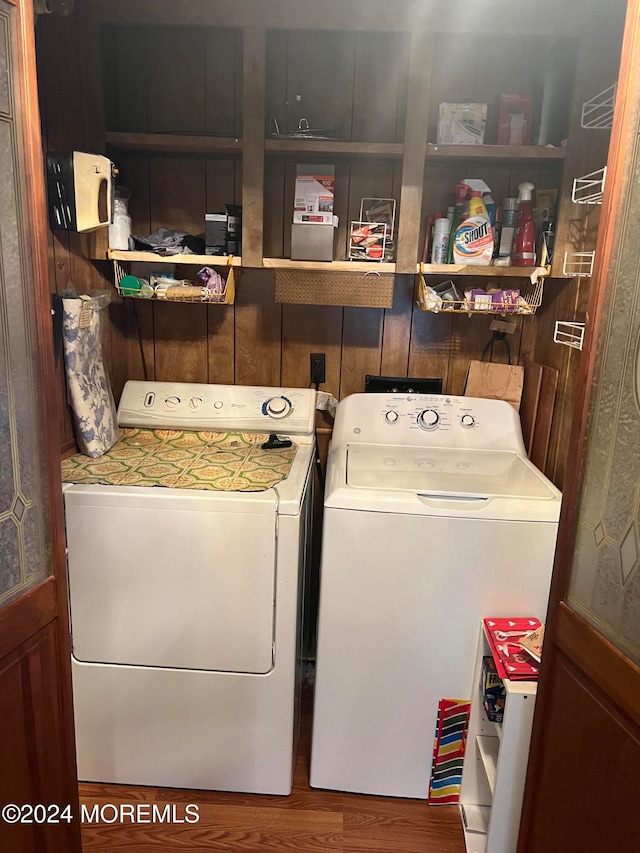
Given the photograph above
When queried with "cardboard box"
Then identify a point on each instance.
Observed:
(462, 124)
(312, 242)
(514, 120)
(493, 691)
(215, 233)
(315, 187)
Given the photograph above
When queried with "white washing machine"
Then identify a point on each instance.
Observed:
(186, 605)
(434, 518)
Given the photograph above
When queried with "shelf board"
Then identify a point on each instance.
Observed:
(197, 260)
(475, 819)
(475, 842)
(390, 150)
(485, 272)
(488, 747)
(174, 143)
(494, 152)
(329, 266)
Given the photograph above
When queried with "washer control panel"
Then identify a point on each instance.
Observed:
(175, 405)
(435, 420)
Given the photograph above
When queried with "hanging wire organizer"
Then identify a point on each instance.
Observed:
(589, 188)
(225, 297)
(569, 334)
(578, 264)
(597, 112)
(530, 300)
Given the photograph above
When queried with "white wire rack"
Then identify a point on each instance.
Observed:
(578, 264)
(597, 112)
(589, 188)
(569, 334)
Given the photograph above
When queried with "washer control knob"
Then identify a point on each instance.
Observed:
(172, 402)
(429, 419)
(218, 404)
(391, 417)
(467, 421)
(278, 407)
(194, 402)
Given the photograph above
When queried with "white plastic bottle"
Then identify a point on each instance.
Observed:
(441, 230)
(120, 228)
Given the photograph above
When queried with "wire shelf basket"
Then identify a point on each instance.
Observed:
(179, 293)
(597, 112)
(569, 334)
(578, 264)
(529, 300)
(589, 188)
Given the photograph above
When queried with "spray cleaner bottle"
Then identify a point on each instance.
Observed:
(461, 192)
(523, 253)
(473, 238)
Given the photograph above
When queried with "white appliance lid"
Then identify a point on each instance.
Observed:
(445, 472)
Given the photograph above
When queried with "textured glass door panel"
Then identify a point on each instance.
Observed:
(24, 546)
(605, 575)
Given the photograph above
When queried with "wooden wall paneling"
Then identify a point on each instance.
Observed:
(380, 84)
(307, 329)
(253, 109)
(320, 68)
(430, 345)
(361, 347)
(178, 200)
(86, 51)
(368, 179)
(342, 201)
(274, 215)
(276, 76)
(108, 56)
(289, 193)
(258, 330)
(131, 337)
(544, 418)
(223, 104)
(415, 142)
(469, 336)
(176, 79)
(396, 337)
(454, 62)
(125, 77)
(221, 189)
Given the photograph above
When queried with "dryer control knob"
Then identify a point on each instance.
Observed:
(467, 421)
(278, 407)
(172, 402)
(429, 419)
(391, 417)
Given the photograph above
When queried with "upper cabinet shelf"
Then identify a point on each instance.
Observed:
(333, 147)
(174, 143)
(495, 152)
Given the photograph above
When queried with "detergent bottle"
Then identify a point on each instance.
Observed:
(473, 239)
(523, 253)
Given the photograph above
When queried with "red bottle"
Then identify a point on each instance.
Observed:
(523, 253)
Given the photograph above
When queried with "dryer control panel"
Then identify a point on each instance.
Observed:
(434, 420)
(238, 408)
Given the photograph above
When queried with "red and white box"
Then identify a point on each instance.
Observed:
(503, 636)
(514, 121)
(314, 195)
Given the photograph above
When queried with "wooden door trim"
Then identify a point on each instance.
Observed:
(561, 629)
(600, 661)
(27, 615)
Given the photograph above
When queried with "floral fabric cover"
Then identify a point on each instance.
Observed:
(179, 459)
(90, 396)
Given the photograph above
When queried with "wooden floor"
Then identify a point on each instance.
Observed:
(308, 821)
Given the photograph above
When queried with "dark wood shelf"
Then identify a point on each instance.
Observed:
(388, 150)
(494, 152)
(174, 143)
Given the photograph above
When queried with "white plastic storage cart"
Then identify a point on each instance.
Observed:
(495, 765)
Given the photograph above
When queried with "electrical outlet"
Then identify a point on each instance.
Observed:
(317, 370)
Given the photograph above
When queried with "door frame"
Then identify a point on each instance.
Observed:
(44, 604)
(566, 631)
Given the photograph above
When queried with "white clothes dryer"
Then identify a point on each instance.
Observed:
(434, 518)
(186, 604)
